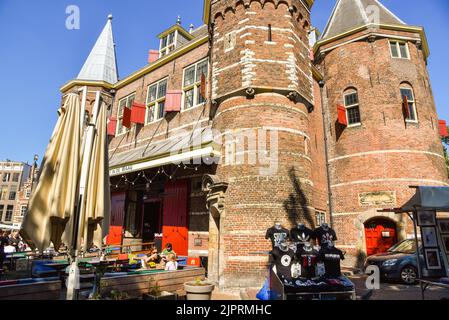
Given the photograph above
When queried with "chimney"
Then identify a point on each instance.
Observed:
(191, 28)
(153, 55)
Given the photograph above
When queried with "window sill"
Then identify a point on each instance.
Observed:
(399, 58)
(194, 107)
(355, 125)
(155, 121)
(412, 121)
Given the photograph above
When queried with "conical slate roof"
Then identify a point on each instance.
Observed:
(351, 14)
(101, 64)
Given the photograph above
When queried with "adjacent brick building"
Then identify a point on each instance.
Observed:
(249, 119)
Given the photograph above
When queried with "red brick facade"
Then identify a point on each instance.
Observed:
(262, 85)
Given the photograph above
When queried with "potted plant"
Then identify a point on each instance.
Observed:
(199, 290)
(155, 293)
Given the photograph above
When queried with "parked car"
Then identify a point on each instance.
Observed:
(400, 263)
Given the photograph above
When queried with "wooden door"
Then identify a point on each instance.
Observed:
(117, 218)
(175, 218)
(380, 236)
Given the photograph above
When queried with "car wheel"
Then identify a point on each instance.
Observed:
(409, 275)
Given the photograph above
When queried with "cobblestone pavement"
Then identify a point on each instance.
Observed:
(396, 291)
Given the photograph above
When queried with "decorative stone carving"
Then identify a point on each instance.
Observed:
(215, 194)
(371, 38)
(293, 96)
(250, 93)
(381, 198)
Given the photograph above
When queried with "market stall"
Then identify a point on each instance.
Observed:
(306, 265)
(428, 210)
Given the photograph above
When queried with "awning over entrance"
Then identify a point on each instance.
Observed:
(175, 150)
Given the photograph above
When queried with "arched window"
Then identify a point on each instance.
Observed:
(351, 99)
(408, 103)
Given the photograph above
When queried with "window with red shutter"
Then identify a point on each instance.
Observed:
(342, 119)
(138, 113)
(126, 121)
(173, 101)
(443, 128)
(112, 126)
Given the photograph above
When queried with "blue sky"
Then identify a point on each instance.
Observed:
(38, 54)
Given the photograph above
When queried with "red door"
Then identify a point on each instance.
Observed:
(175, 218)
(117, 218)
(380, 236)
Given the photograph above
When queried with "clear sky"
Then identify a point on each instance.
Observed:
(38, 54)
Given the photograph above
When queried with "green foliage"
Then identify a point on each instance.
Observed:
(154, 290)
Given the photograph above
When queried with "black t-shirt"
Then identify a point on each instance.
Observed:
(300, 236)
(3, 242)
(277, 236)
(325, 236)
(283, 261)
(308, 260)
(331, 257)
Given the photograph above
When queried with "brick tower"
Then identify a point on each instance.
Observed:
(261, 78)
(374, 68)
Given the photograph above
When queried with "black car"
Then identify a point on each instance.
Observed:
(399, 263)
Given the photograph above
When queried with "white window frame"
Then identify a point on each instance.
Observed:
(398, 48)
(156, 102)
(120, 118)
(321, 215)
(169, 48)
(195, 86)
(348, 93)
(6, 213)
(404, 87)
(23, 211)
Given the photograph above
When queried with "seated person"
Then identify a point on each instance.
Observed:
(171, 265)
(167, 251)
(153, 256)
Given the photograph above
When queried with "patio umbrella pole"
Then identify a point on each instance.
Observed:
(73, 280)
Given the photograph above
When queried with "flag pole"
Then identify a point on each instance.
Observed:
(73, 279)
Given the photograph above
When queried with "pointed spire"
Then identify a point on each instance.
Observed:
(101, 64)
(350, 14)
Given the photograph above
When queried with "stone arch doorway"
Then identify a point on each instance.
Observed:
(380, 235)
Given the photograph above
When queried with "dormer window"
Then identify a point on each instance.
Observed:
(168, 43)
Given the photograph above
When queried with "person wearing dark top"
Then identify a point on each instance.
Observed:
(283, 257)
(308, 257)
(331, 257)
(3, 242)
(324, 235)
(277, 234)
(301, 234)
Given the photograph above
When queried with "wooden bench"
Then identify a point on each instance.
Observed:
(33, 291)
(136, 285)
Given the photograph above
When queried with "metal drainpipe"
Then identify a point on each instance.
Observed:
(326, 151)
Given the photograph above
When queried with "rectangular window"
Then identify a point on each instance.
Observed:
(9, 212)
(168, 44)
(320, 218)
(399, 50)
(126, 102)
(15, 177)
(6, 177)
(352, 109)
(2, 208)
(23, 211)
(408, 93)
(3, 192)
(12, 193)
(192, 84)
(28, 193)
(157, 93)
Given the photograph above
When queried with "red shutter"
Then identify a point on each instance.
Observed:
(138, 113)
(405, 108)
(126, 118)
(112, 127)
(342, 119)
(153, 55)
(203, 86)
(443, 128)
(173, 101)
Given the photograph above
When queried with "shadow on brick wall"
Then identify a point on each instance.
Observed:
(297, 205)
